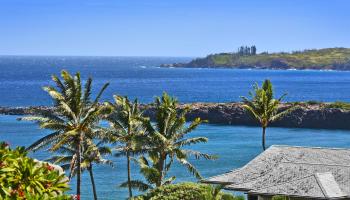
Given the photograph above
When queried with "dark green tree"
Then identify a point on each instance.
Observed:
(253, 50)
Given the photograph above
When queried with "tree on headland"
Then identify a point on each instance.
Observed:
(253, 50)
(75, 119)
(246, 50)
(263, 107)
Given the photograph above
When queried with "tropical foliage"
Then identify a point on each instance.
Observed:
(187, 191)
(166, 140)
(22, 177)
(75, 120)
(263, 107)
(89, 157)
(127, 131)
(78, 142)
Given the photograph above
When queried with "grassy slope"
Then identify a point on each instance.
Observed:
(331, 58)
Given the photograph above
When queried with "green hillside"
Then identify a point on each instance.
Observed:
(326, 59)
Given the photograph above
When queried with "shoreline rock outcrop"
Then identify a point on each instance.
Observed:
(316, 116)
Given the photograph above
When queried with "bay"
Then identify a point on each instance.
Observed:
(21, 79)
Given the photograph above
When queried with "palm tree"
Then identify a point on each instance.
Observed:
(74, 120)
(89, 156)
(126, 129)
(166, 141)
(264, 107)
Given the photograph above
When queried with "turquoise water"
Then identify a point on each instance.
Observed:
(21, 79)
(235, 146)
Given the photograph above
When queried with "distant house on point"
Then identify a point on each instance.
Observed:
(296, 172)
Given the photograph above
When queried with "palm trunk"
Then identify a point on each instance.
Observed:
(78, 166)
(92, 181)
(263, 137)
(129, 175)
(161, 170)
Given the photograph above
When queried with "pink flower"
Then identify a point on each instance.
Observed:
(49, 167)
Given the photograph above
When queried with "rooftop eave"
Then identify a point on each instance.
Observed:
(296, 196)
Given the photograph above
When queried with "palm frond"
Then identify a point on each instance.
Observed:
(190, 168)
(169, 180)
(44, 141)
(283, 113)
(199, 155)
(101, 92)
(192, 126)
(190, 141)
(137, 184)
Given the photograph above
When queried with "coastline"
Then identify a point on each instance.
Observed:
(314, 116)
(257, 69)
(337, 58)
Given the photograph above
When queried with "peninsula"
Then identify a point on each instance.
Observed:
(248, 58)
(307, 115)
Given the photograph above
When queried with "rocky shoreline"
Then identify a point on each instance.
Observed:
(304, 116)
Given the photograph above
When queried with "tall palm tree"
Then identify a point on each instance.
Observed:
(167, 139)
(126, 130)
(89, 156)
(263, 107)
(74, 120)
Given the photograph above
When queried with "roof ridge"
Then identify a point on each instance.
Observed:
(308, 147)
(306, 163)
(322, 186)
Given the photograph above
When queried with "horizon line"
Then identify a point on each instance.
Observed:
(166, 56)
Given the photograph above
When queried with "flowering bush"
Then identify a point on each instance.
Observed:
(22, 177)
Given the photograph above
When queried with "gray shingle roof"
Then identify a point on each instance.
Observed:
(294, 171)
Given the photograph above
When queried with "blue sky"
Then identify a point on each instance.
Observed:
(169, 28)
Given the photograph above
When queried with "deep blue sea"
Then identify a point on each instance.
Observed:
(21, 79)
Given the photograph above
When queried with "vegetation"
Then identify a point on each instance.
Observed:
(126, 129)
(263, 107)
(339, 104)
(75, 121)
(326, 59)
(22, 177)
(187, 191)
(166, 141)
(89, 157)
(246, 51)
(280, 197)
(79, 142)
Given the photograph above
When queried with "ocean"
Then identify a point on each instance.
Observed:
(21, 79)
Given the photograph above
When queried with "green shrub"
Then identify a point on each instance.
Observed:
(186, 191)
(312, 102)
(22, 177)
(280, 197)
